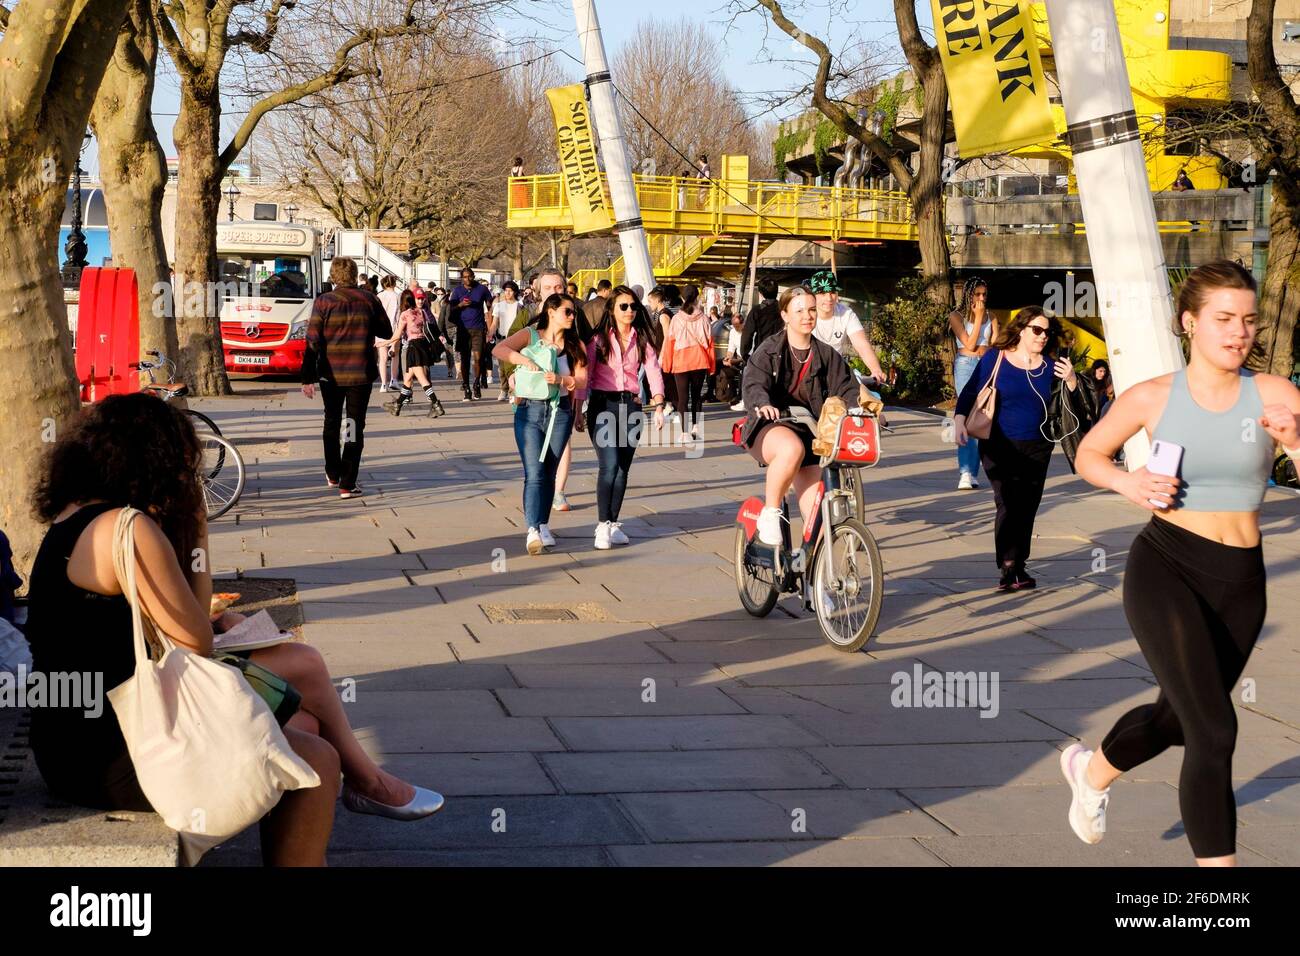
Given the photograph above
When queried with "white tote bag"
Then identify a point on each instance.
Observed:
(207, 750)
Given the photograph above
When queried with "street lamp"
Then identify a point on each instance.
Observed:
(291, 210)
(75, 248)
(232, 193)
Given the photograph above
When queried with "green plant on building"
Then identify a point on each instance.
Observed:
(908, 336)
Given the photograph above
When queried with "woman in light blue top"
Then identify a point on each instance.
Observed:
(973, 329)
(1194, 581)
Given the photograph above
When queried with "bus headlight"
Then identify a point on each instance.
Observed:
(298, 331)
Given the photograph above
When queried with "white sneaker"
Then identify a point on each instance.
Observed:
(602, 536)
(548, 539)
(769, 527)
(738, 407)
(1087, 806)
(489, 375)
(966, 482)
(534, 542)
(697, 431)
(616, 535)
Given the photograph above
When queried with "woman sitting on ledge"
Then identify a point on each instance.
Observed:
(137, 450)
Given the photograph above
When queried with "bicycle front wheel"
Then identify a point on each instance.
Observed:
(222, 474)
(848, 586)
(757, 586)
(851, 481)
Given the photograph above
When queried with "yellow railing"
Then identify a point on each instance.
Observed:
(673, 204)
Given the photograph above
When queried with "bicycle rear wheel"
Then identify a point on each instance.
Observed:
(757, 586)
(848, 585)
(204, 427)
(222, 474)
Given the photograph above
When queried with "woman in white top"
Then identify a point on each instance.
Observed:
(504, 310)
(973, 329)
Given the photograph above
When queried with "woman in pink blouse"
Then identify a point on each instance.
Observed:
(620, 349)
(688, 355)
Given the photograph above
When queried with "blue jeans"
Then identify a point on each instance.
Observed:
(968, 458)
(531, 419)
(614, 435)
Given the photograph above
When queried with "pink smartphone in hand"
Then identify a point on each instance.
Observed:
(1166, 458)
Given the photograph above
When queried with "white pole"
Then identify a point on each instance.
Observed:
(627, 211)
(1128, 260)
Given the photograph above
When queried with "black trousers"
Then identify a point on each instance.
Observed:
(1196, 608)
(342, 465)
(470, 344)
(690, 394)
(1017, 471)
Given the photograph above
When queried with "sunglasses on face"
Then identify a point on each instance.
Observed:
(567, 312)
(626, 306)
(1037, 329)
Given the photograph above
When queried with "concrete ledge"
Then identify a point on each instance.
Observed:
(37, 830)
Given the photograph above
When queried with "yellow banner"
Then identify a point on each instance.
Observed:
(578, 164)
(995, 76)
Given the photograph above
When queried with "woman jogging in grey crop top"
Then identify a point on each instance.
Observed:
(1194, 582)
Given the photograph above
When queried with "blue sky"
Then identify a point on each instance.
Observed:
(751, 49)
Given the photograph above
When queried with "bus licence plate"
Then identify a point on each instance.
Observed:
(246, 359)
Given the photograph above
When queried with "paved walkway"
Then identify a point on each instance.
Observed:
(759, 743)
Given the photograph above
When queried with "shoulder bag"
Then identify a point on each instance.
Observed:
(979, 423)
(207, 751)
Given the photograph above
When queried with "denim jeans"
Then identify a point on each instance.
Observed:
(614, 425)
(968, 457)
(531, 418)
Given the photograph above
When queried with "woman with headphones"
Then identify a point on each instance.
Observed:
(1016, 453)
(973, 330)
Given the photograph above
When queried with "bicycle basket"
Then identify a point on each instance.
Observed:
(857, 442)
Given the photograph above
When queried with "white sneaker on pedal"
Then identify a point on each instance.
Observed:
(548, 539)
(769, 527)
(1087, 806)
(966, 482)
(602, 536)
(616, 534)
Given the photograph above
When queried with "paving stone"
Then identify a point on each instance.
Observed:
(685, 770)
(628, 701)
(680, 733)
(877, 851)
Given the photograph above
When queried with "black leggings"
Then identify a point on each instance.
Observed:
(1017, 471)
(1196, 608)
(690, 394)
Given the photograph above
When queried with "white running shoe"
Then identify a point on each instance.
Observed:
(769, 527)
(738, 407)
(602, 536)
(548, 539)
(966, 482)
(534, 542)
(1087, 806)
(616, 534)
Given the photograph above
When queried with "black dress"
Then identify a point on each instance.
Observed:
(82, 758)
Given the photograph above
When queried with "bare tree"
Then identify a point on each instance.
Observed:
(199, 36)
(678, 104)
(924, 187)
(133, 171)
(52, 58)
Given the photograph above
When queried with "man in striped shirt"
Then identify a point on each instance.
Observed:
(340, 355)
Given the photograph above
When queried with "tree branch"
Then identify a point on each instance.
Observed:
(28, 51)
(162, 18)
(920, 55)
(1266, 81)
(833, 110)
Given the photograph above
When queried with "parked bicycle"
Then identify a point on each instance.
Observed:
(837, 569)
(222, 468)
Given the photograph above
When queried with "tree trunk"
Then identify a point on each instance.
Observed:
(517, 259)
(133, 171)
(1279, 299)
(198, 204)
(38, 389)
(927, 189)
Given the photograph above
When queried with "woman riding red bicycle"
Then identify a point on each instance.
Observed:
(788, 369)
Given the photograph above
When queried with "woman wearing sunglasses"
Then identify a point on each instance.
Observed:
(621, 348)
(1016, 453)
(542, 424)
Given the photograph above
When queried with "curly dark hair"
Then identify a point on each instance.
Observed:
(132, 450)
